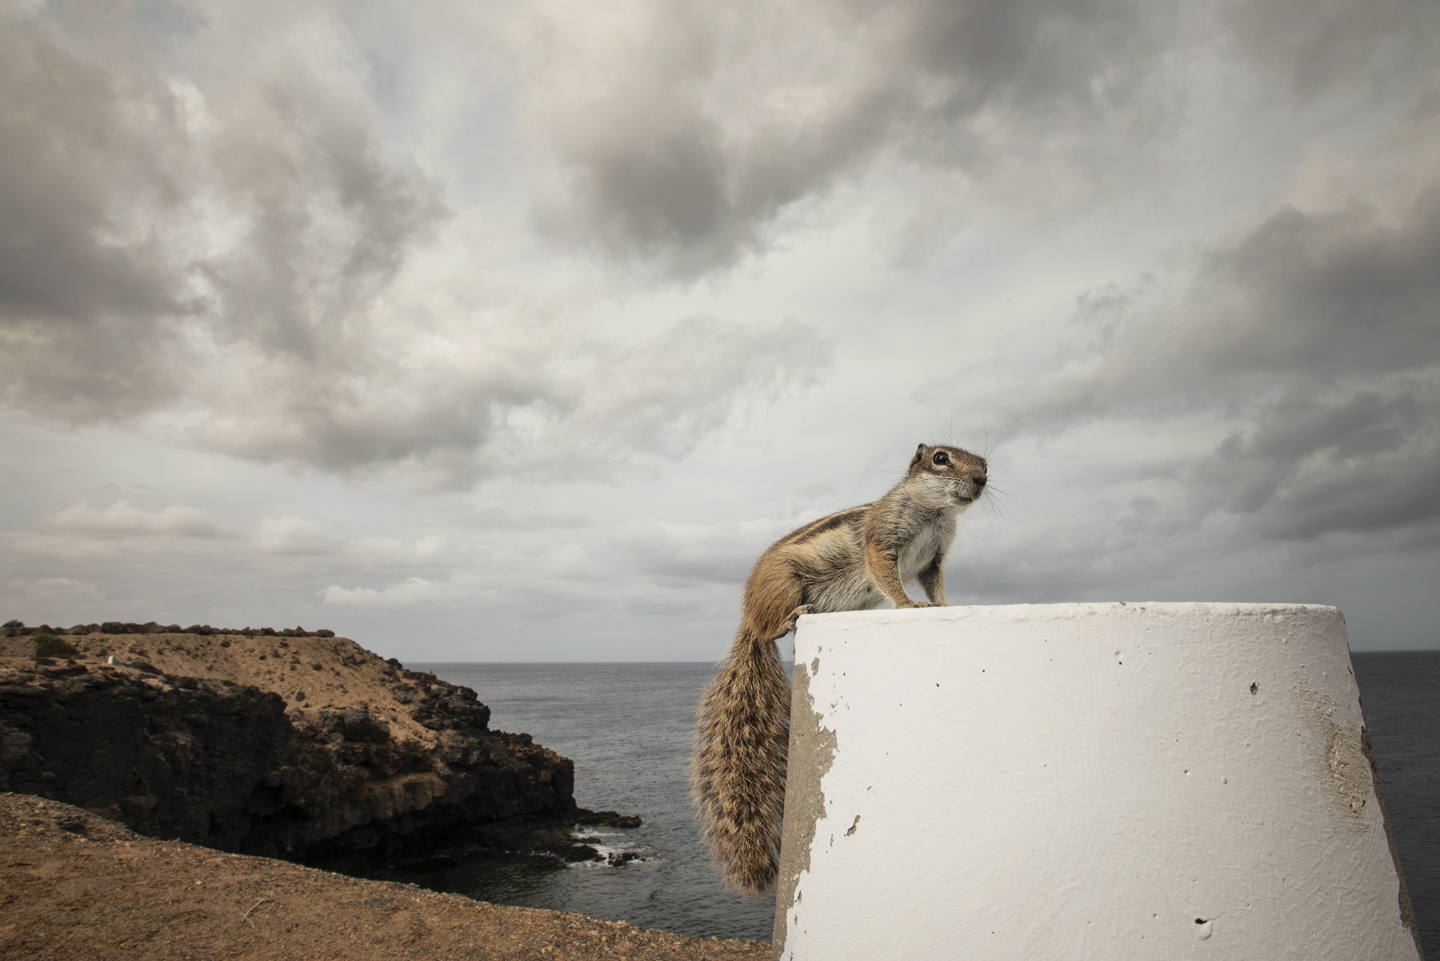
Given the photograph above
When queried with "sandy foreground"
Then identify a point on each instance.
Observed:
(74, 885)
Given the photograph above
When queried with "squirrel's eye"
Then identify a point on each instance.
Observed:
(941, 458)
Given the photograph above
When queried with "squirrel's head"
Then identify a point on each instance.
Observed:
(949, 477)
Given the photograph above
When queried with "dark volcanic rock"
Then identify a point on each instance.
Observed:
(609, 819)
(222, 764)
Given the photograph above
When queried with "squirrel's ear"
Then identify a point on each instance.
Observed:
(919, 455)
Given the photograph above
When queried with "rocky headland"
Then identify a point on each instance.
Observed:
(294, 744)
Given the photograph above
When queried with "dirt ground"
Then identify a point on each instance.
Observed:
(73, 885)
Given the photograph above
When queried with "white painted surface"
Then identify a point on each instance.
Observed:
(1085, 781)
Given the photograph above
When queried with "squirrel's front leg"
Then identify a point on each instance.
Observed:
(882, 566)
(932, 579)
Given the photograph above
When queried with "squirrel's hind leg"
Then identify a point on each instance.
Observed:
(795, 616)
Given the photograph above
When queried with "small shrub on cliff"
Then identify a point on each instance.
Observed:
(48, 645)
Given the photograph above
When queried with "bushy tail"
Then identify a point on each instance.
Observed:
(737, 776)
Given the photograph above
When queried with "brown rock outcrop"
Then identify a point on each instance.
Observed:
(292, 746)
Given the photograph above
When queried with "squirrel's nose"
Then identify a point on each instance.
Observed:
(978, 481)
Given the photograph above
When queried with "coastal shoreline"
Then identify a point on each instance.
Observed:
(159, 776)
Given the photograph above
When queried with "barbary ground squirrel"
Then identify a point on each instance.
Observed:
(849, 561)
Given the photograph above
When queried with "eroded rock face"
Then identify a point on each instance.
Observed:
(223, 764)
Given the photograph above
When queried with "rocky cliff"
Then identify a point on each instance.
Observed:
(292, 746)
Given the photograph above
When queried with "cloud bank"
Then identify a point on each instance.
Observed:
(683, 131)
(225, 266)
(507, 314)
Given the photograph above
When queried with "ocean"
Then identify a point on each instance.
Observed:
(627, 728)
(1400, 695)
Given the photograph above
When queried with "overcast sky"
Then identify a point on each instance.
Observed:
(517, 330)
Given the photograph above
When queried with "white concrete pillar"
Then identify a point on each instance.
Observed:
(1084, 781)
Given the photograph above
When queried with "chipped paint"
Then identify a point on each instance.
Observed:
(812, 750)
(1336, 755)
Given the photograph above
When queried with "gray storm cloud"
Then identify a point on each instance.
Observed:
(680, 150)
(329, 219)
(226, 259)
(1367, 461)
(1320, 48)
(1315, 335)
(718, 118)
(592, 400)
(109, 285)
(89, 292)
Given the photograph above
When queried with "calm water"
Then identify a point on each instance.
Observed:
(627, 727)
(1400, 693)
